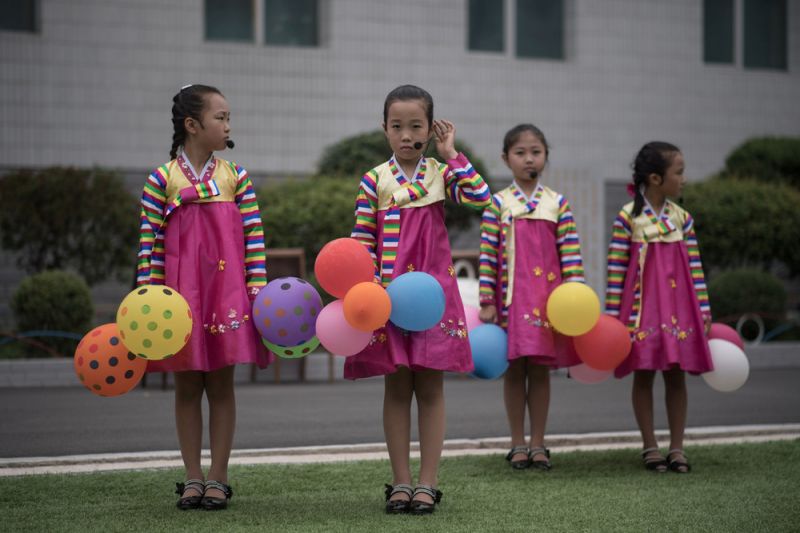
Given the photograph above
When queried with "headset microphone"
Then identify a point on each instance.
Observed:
(534, 174)
(229, 143)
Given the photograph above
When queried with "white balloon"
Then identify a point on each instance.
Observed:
(731, 367)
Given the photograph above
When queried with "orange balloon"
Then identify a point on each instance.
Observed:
(604, 346)
(367, 306)
(104, 365)
(341, 264)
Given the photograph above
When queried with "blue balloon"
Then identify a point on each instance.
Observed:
(489, 345)
(417, 301)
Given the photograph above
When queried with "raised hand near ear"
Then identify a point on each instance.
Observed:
(445, 133)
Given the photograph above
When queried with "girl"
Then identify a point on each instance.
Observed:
(529, 245)
(400, 220)
(656, 285)
(201, 234)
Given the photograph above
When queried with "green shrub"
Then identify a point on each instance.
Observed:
(307, 214)
(54, 301)
(746, 290)
(58, 218)
(354, 156)
(742, 223)
(773, 159)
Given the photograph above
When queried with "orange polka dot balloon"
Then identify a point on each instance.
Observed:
(154, 322)
(104, 365)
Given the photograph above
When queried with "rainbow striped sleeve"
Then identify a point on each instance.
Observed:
(255, 262)
(619, 255)
(568, 244)
(150, 258)
(365, 230)
(696, 266)
(490, 250)
(464, 185)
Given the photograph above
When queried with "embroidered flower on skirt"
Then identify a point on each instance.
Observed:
(234, 322)
(454, 328)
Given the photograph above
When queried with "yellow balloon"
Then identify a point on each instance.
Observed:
(154, 321)
(573, 308)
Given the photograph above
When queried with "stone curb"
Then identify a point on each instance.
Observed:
(377, 451)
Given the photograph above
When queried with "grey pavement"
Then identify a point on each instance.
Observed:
(56, 421)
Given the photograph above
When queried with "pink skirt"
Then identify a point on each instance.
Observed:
(537, 272)
(424, 247)
(671, 331)
(204, 246)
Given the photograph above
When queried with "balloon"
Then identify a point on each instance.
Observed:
(472, 315)
(341, 264)
(573, 308)
(154, 321)
(367, 306)
(604, 346)
(292, 352)
(489, 344)
(417, 301)
(731, 367)
(336, 335)
(583, 373)
(726, 333)
(285, 311)
(104, 365)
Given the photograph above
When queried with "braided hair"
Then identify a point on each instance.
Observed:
(654, 158)
(188, 103)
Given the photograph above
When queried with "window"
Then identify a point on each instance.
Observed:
(718, 24)
(540, 28)
(18, 15)
(291, 22)
(229, 20)
(486, 25)
(765, 34)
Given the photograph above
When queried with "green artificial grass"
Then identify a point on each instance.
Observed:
(742, 487)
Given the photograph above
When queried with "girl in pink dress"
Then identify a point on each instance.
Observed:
(656, 286)
(529, 245)
(201, 234)
(400, 220)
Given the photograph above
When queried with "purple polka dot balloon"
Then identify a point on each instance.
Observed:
(285, 311)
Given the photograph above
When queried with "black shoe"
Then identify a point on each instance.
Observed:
(419, 507)
(655, 463)
(398, 506)
(210, 503)
(524, 463)
(681, 467)
(541, 465)
(189, 502)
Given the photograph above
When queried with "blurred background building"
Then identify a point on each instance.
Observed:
(90, 82)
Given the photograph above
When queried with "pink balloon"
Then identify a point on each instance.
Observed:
(583, 373)
(472, 317)
(726, 333)
(336, 335)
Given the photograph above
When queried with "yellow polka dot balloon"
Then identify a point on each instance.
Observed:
(154, 322)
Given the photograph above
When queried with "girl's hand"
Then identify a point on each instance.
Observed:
(445, 133)
(707, 324)
(488, 314)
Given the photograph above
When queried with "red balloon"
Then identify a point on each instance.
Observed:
(605, 346)
(726, 333)
(341, 264)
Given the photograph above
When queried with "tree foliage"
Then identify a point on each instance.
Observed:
(771, 159)
(69, 218)
(744, 222)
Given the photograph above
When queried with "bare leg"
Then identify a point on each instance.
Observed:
(429, 390)
(398, 390)
(538, 405)
(676, 398)
(189, 423)
(514, 395)
(642, 396)
(221, 422)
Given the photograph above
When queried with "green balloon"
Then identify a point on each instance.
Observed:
(292, 352)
